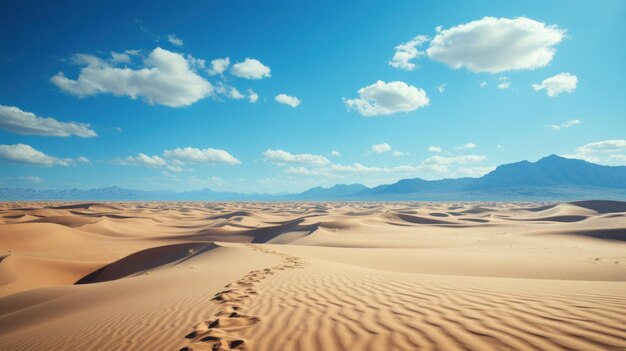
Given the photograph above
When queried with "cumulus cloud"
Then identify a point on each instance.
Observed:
(564, 125)
(432, 165)
(150, 161)
(25, 154)
(252, 96)
(358, 168)
(121, 57)
(383, 98)
(504, 83)
(473, 172)
(496, 45)
(287, 100)
(560, 83)
(397, 153)
(281, 157)
(469, 145)
(406, 52)
(219, 66)
(17, 121)
(463, 159)
(380, 148)
(228, 91)
(235, 94)
(303, 171)
(145, 160)
(434, 149)
(607, 152)
(250, 69)
(167, 79)
(174, 40)
(201, 156)
(174, 160)
(30, 179)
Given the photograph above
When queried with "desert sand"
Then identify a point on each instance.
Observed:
(313, 276)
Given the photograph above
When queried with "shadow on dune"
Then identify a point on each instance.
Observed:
(256, 235)
(146, 259)
(562, 219)
(602, 206)
(618, 234)
(418, 220)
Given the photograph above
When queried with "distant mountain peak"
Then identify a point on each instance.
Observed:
(551, 177)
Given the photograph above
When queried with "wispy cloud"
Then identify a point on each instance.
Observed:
(564, 125)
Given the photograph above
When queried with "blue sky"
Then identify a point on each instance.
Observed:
(490, 83)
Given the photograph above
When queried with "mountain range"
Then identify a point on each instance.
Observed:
(550, 178)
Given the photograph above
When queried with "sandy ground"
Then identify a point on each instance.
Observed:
(313, 276)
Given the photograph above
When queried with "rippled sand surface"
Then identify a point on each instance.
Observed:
(313, 276)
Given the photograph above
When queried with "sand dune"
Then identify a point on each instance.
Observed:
(313, 276)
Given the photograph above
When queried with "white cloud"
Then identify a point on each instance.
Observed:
(30, 179)
(167, 79)
(174, 40)
(473, 172)
(560, 83)
(380, 148)
(408, 51)
(121, 57)
(434, 165)
(145, 160)
(150, 161)
(17, 121)
(442, 88)
(504, 83)
(303, 171)
(235, 94)
(463, 159)
(22, 153)
(358, 168)
(434, 149)
(397, 153)
(250, 69)
(469, 145)
(196, 63)
(281, 157)
(287, 100)
(483, 84)
(496, 45)
(219, 66)
(228, 91)
(564, 125)
(383, 98)
(203, 156)
(335, 153)
(252, 96)
(607, 152)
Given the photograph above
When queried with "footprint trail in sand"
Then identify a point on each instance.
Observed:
(219, 332)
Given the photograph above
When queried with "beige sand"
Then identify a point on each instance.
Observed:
(313, 276)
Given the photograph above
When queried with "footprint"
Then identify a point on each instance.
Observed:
(216, 334)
